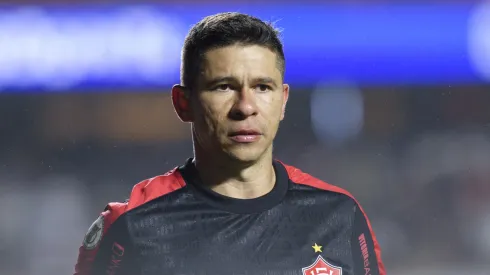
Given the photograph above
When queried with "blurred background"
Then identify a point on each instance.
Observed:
(390, 100)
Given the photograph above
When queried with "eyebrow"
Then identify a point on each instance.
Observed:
(262, 80)
(265, 80)
(217, 80)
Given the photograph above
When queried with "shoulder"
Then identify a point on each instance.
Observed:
(297, 176)
(110, 228)
(143, 192)
(152, 188)
(362, 228)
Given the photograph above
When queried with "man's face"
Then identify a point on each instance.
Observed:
(239, 102)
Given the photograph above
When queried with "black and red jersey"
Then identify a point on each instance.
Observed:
(174, 225)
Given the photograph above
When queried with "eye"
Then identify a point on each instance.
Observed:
(223, 87)
(263, 88)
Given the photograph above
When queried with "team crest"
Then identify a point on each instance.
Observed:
(94, 234)
(322, 267)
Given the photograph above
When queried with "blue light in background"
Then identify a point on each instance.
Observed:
(61, 48)
(59, 51)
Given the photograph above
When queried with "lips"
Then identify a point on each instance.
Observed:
(245, 133)
(245, 136)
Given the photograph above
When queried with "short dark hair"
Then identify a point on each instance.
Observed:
(226, 29)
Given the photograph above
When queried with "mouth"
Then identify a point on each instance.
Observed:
(245, 136)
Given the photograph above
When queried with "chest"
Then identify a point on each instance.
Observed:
(282, 240)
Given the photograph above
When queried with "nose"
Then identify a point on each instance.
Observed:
(245, 105)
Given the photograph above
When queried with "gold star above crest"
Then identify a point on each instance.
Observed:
(318, 248)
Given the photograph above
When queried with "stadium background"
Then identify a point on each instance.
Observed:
(389, 99)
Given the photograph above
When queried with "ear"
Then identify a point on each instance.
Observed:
(181, 102)
(285, 88)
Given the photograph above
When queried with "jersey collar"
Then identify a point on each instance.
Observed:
(239, 206)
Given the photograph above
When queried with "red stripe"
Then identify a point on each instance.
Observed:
(86, 257)
(299, 177)
(153, 188)
(142, 193)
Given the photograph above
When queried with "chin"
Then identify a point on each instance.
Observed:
(245, 155)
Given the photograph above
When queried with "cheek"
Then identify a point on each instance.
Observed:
(274, 110)
(212, 118)
(272, 116)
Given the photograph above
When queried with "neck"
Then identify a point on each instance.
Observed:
(234, 179)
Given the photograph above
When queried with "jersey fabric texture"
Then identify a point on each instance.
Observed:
(172, 224)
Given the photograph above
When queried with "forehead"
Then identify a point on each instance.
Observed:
(240, 61)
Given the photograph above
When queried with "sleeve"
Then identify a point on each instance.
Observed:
(366, 252)
(105, 245)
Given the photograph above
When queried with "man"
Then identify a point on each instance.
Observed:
(232, 209)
